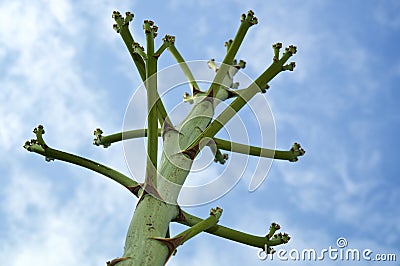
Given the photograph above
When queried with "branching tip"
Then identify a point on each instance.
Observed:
(250, 18)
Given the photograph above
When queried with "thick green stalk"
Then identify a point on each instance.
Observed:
(152, 215)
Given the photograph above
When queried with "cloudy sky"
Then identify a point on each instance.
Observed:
(63, 66)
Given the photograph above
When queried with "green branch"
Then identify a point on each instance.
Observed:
(246, 22)
(138, 55)
(39, 146)
(122, 27)
(235, 235)
(106, 141)
(152, 97)
(201, 226)
(168, 41)
(289, 155)
(185, 68)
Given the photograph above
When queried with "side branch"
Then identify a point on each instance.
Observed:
(203, 225)
(289, 155)
(246, 22)
(39, 146)
(271, 239)
(152, 98)
(137, 54)
(185, 68)
(122, 27)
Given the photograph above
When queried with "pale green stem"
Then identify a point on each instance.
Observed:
(52, 154)
(246, 23)
(202, 225)
(152, 116)
(123, 30)
(231, 234)
(290, 155)
(185, 68)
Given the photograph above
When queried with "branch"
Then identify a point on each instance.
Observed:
(168, 41)
(152, 97)
(106, 141)
(185, 69)
(203, 225)
(289, 155)
(137, 54)
(271, 239)
(39, 146)
(246, 22)
(122, 27)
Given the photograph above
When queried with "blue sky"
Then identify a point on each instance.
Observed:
(63, 66)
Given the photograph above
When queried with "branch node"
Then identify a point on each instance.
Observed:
(228, 44)
(98, 139)
(289, 66)
(220, 157)
(167, 127)
(135, 189)
(191, 152)
(188, 98)
(291, 49)
(276, 47)
(264, 89)
(249, 18)
(150, 28)
(117, 260)
(128, 18)
(297, 151)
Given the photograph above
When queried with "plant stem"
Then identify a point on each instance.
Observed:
(246, 23)
(123, 30)
(51, 154)
(152, 117)
(290, 155)
(185, 68)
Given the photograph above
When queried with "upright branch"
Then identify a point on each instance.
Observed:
(152, 97)
(121, 26)
(39, 146)
(246, 22)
